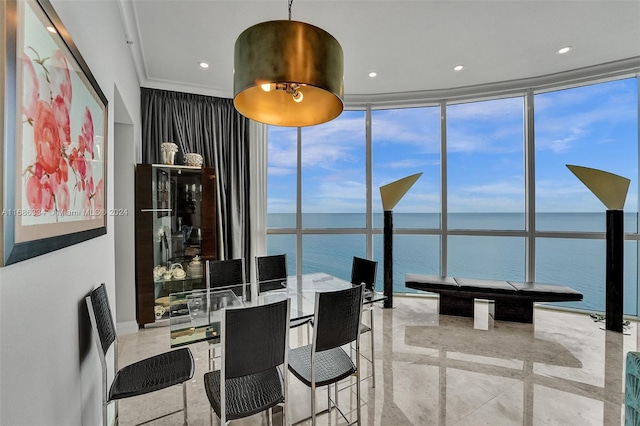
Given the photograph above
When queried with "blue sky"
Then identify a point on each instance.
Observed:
(594, 126)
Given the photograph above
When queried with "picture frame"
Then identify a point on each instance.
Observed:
(53, 116)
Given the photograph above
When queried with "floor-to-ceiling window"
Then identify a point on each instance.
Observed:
(333, 194)
(495, 199)
(404, 142)
(485, 189)
(594, 126)
(282, 185)
(330, 228)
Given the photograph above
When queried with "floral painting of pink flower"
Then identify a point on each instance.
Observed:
(61, 127)
(56, 138)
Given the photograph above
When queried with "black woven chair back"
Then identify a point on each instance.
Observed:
(337, 317)
(364, 271)
(226, 273)
(255, 338)
(103, 319)
(271, 272)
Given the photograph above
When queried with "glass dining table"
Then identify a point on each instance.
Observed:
(194, 316)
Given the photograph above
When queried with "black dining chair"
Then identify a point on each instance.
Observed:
(271, 272)
(226, 274)
(271, 275)
(324, 361)
(142, 377)
(364, 271)
(251, 379)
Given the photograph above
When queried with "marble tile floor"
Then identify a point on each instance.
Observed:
(441, 370)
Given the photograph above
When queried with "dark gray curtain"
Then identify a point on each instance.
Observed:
(213, 128)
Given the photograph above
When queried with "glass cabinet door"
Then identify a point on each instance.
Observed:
(177, 236)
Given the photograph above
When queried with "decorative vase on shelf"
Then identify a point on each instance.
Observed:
(195, 268)
(193, 159)
(168, 150)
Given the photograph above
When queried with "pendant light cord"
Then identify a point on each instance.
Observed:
(290, 3)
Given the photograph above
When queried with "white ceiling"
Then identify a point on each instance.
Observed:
(412, 45)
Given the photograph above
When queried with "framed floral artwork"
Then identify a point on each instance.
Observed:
(54, 121)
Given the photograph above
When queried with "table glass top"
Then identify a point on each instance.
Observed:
(195, 315)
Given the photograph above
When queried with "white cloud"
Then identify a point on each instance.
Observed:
(339, 189)
(338, 140)
(410, 164)
(280, 205)
(563, 120)
(514, 186)
(484, 204)
(565, 195)
(280, 171)
(415, 127)
(498, 110)
(334, 195)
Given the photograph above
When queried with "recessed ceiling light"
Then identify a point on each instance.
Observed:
(458, 67)
(51, 29)
(564, 49)
(373, 74)
(203, 65)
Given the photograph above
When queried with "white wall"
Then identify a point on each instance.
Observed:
(49, 369)
(124, 225)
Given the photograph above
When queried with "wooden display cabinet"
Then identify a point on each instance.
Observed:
(175, 222)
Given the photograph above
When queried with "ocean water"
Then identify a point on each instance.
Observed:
(578, 263)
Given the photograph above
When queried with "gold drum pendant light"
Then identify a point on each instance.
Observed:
(288, 73)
